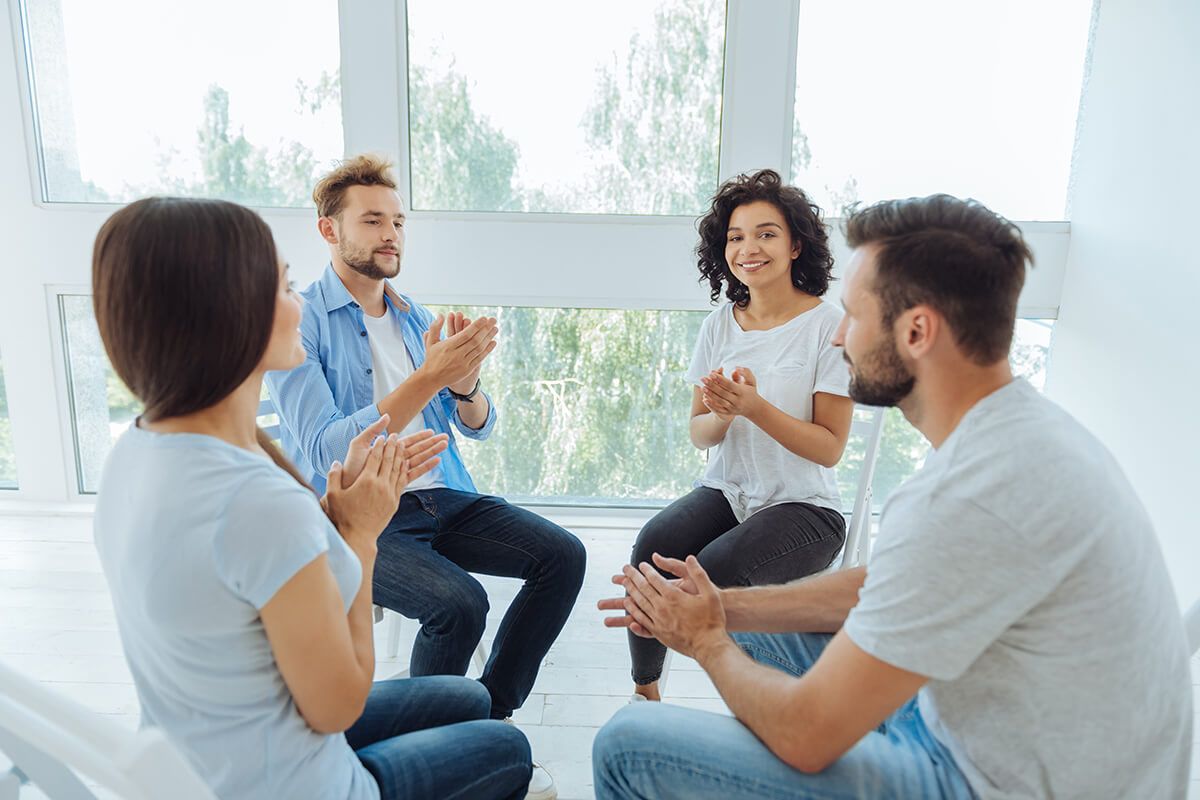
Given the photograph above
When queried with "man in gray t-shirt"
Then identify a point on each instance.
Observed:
(1015, 635)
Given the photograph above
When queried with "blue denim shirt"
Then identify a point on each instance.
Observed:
(329, 399)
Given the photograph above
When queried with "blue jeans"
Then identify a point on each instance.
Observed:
(430, 737)
(655, 750)
(435, 539)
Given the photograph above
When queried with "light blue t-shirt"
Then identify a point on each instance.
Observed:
(195, 536)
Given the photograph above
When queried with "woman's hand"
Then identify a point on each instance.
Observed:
(736, 395)
(361, 510)
(360, 446)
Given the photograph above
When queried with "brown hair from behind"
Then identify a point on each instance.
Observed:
(184, 295)
(368, 169)
(957, 256)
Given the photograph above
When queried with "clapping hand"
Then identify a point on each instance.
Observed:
(736, 395)
(362, 494)
(457, 359)
(684, 614)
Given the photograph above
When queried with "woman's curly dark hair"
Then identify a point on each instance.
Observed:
(811, 270)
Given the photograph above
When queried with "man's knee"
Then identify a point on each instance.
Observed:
(624, 732)
(460, 605)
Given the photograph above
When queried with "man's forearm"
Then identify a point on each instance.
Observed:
(405, 402)
(809, 605)
(475, 413)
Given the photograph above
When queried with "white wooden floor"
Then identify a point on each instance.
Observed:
(56, 624)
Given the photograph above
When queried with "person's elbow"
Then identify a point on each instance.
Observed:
(336, 710)
(807, 754)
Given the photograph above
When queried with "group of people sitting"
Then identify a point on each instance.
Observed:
(1015, 619)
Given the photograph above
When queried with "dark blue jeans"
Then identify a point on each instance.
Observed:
(436, 538)
(430, 737)
(775, 545)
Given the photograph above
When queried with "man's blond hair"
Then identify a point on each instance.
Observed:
(368, 169)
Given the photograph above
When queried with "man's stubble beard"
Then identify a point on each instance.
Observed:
(891, 381)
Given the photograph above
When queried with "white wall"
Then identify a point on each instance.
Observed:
(1126, 353)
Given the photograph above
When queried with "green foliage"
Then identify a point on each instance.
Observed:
(460, 161)
(656, 116)
(592, 404)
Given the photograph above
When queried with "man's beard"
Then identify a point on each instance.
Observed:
(364, 263)
(890, 382)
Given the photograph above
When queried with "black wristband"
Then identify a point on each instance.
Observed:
(465, 398)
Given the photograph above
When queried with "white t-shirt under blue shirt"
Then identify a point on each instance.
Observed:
(195, 536)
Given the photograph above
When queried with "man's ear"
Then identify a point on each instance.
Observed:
(917, 331)
(327, 230)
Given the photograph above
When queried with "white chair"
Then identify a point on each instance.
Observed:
(396, 623)
(52, 741)
(857, 549)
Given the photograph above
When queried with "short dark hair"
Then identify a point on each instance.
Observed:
(957, 256)
(368, 169)
(811, 269)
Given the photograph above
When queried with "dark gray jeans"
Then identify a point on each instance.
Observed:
(775, 545)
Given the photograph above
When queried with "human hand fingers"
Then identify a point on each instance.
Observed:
(638, 587)
(424, 448)
(434, 334)
(724, 398)
(369, 433)
(672, 565)
(360, 446)
(639, 613)
(743, 375)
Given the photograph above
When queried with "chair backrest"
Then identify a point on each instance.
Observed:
(858, 535)
(52, 741)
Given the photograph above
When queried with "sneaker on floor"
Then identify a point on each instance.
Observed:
(541, 784)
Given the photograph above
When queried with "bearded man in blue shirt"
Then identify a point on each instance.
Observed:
(370, 351)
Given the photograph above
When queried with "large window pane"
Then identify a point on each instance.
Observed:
(101, 406)
(542, 105)
(222, 99)
(8, 456)
(903, 449)
(908, 99)
(593, 406)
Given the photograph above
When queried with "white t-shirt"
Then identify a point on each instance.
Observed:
(1020, 572)
(195, 536)
(391, 365)
(790, 362)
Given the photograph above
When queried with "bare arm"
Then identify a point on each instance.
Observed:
(808, 605)
(821, 441)
(706, 427)
(810, 721)
(448, 362)
(326, 655)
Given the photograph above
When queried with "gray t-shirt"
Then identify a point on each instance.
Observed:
(1020, 572)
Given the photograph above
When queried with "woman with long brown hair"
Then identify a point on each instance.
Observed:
(243, 600)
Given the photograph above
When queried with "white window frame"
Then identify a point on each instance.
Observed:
(468, 258)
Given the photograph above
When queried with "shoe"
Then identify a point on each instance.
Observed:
(541, 784)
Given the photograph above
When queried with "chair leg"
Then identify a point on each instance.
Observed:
(395, 622)
(666, 670)
(479, 658)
